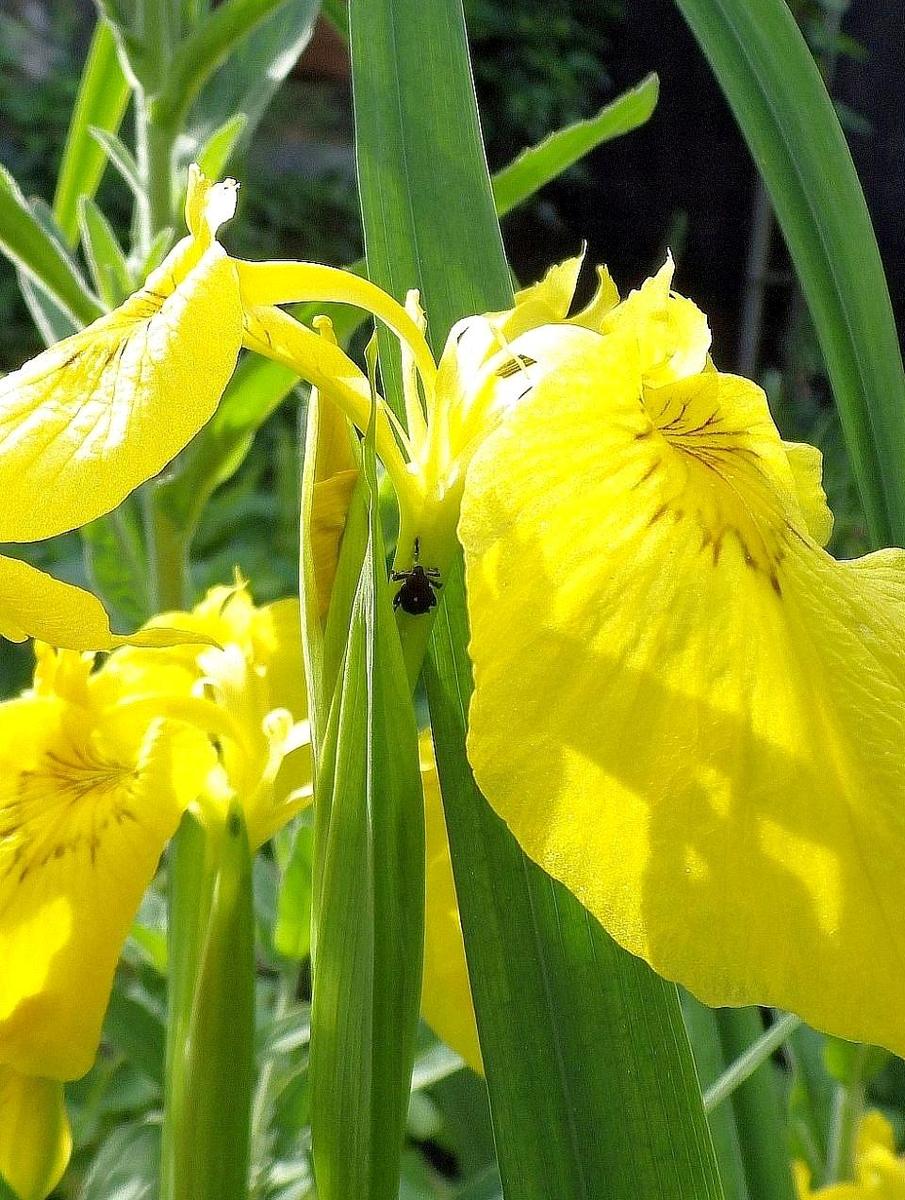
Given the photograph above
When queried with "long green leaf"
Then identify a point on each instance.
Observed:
(539, 164)
(34, 251)
(369, 890)
(710, 1061)
(774, 87)
(101, 102)
(591, 1083)
(759, 1110)
(104, 255)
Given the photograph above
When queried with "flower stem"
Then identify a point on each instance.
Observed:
(154, 155)
(168, 546)
(746, 1064)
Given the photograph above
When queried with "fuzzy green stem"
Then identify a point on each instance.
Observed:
(168, 546)
(746, 1064)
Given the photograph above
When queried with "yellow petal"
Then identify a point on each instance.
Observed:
(446, 1002)
(88, 420)
(807, 468)
(33, 604)
(269, 283)
(672, 333)
(87, 802)
(684, 709)
(254, 700)
(329, 510)
(35, 1139)
(880, 1175)
(543, 303)
(602, 302)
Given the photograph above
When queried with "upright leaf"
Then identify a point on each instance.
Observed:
(101, 102)
(104, 254)
(210, 1030)
(590, 1077)
(779, 99)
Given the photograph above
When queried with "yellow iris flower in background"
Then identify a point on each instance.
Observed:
(99, 766)
(705, 743)
(879, 1173)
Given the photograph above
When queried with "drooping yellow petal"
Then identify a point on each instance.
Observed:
(684, 709)
(88, 420)
(270, 283)
(88, 799)
(446, 1002)
(35, 1139)
(36, 605)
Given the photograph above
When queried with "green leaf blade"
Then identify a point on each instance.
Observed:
(540, 164)
(101, 102)
(109, 269)
(26, 243)
(211, 1012)
(780, 102)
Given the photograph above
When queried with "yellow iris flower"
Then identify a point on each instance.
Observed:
(705, 740)
(879, 1173)
(98, 767)
(87, 421)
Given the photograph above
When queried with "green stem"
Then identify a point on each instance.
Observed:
(848, 1108)
(710, 1061)
(154, 142)
(286, 992)
(168, 546)
(746, 1064)
(204, 50)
